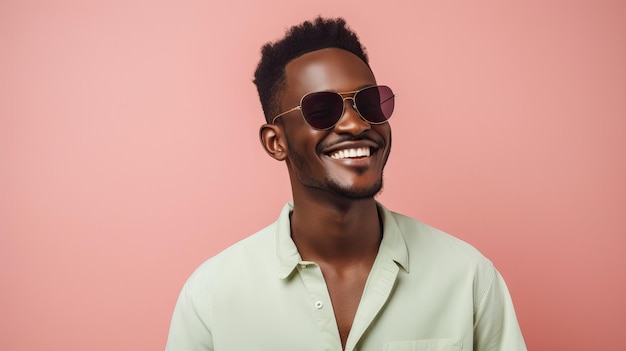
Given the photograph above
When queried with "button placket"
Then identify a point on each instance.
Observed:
(314, 282)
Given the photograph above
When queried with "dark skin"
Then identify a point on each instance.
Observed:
(335, 221)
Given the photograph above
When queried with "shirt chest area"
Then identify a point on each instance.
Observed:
(298, 313)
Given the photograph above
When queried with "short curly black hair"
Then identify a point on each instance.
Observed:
(306, 37)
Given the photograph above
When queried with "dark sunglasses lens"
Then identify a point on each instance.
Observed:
(375, 104)
(322, 109)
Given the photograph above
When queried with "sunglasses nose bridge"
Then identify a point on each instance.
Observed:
(354, 123)
(352, 104)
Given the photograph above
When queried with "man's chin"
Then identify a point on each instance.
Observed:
(358, 192)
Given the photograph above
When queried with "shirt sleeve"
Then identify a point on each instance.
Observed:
(189, 328)
(495, 323)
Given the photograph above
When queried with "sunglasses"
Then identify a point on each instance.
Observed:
(323, 109)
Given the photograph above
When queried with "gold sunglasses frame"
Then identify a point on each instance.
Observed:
(343, 111)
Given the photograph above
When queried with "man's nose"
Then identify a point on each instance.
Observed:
(351, 122)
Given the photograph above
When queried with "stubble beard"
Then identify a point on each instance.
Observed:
(355, 193)
(332, 185)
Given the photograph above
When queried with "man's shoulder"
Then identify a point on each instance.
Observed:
(262, 240)
(428, 241)
(256, 250)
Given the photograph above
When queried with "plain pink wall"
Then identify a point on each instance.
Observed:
(129, 154)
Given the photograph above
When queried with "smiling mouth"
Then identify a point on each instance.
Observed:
(357, 152)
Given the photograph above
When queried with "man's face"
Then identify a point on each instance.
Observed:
(320, 159)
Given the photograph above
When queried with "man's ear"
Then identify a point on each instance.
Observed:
(273, 141)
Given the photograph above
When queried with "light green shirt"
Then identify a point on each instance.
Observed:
(427, 291)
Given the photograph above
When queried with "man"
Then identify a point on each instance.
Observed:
(337, 270)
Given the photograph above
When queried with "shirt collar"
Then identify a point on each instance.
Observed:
(393, 244)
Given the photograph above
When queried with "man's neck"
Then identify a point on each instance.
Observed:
(336, 232)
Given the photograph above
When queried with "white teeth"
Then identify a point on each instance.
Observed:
(347, 153)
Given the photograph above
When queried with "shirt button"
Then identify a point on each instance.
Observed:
(319, 304)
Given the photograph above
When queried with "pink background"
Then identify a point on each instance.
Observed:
(129, 154)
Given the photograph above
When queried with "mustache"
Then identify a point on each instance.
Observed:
(348, 138)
